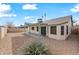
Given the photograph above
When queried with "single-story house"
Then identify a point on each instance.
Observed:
(59, 28)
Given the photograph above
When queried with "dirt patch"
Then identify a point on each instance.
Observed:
(18, 41)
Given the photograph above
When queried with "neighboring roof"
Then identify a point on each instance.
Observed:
(59, 20)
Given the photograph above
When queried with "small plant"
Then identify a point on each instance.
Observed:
(36, 48)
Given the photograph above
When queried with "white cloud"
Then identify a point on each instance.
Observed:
(35, 21)
(75, 8)
(28, 17)
(30, 7)
(14, 15)
(4, 7)
(7, 15)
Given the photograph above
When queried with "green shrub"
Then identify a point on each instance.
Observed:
(36, 48)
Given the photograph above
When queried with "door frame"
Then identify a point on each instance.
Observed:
(43, 30)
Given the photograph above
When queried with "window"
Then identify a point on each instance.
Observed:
(53, 30)
(37, 28)
(62, 30)
(32, 28)
(66, 29)
(26, 26)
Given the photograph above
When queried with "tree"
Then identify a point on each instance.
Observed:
(26, 24)
(21, 26)
(10, 24)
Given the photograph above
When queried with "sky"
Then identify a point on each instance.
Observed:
(19, 13)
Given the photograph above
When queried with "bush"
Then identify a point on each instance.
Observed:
(36, 48)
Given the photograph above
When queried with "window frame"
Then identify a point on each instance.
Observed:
(66, 29)
(62, 30)
(37, 28)
(52, 29)
(32, 28)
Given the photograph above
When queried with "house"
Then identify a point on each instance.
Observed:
(59, 28)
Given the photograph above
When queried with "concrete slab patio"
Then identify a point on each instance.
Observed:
(14, 43)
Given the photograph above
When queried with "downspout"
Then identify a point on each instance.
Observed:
(29, 28)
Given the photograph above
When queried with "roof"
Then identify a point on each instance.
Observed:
(38, 24)
(59, 20)
(56, 21)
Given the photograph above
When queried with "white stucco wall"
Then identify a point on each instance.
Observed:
(33, 31)
(27, 29)
(58, 36)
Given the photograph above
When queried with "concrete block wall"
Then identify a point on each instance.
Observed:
(3, 32)
(75, 29)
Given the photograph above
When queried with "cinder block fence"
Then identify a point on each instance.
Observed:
(75, 29)
(3, 31)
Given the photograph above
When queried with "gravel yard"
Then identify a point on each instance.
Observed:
(14, 43)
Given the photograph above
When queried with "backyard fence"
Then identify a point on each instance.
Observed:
(3, 31)
(16, 30)
(75, 30)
